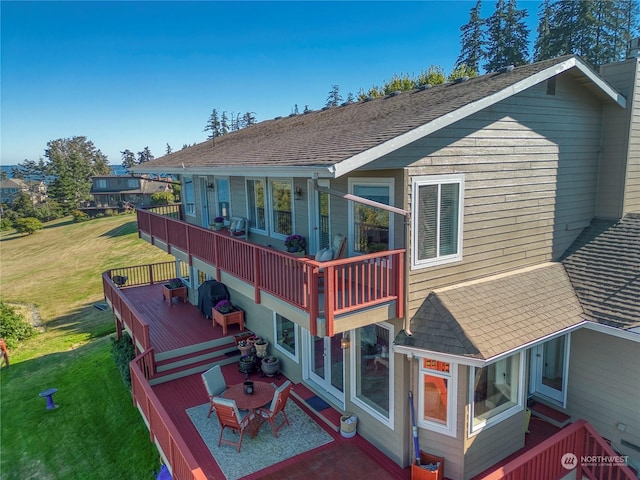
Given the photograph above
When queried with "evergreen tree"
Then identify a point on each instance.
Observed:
(168, 150)
(224, 123)
(128, 159)
(472, 40)
(249, 118)
(507, 36)
(212, 126)
(542, 45)
(334, 98)
(145, 155)
(72, 162)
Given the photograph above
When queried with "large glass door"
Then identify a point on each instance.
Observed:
(319, 215)
(326, 364)
(549, 367)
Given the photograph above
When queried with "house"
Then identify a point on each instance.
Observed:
(119, 192)
(472, 216)
(11, 187)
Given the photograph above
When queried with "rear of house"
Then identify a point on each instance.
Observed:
(457, 203)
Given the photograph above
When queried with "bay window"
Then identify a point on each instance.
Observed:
(437, 402)
(496, 391)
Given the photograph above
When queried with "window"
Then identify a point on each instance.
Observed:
(437, 402)
(437, 220)
(189, 197)
(497, 391)
(371, 225)
(286, 335)
(281, 207)
(373, 366)
(133, 183)
(100, 183)
(222, 197)
(256, 202)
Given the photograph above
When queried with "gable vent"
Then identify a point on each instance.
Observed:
(551, 86)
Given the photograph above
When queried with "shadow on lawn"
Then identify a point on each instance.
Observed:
(124, 229)
(86, 319)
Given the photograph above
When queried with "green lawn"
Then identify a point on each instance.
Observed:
(96, 433)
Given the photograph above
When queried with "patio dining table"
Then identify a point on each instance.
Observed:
(262, 395)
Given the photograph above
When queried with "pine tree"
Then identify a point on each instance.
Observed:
(334, 98)
(224, 123)
(128, 159)
(472, 40)
(507, 36)
(213, 125)
(168, 150)
(541, 48)
(145, 155)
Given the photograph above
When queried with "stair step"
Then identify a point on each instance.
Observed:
(550, 414)
(196, 367)
(194, 357)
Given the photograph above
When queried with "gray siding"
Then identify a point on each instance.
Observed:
(531, 167)
(604, 393)
(619, 189)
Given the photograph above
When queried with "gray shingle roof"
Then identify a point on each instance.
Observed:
(604, 267)
(492, 316)
(328, 137)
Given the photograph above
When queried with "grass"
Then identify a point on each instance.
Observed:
(96, 432)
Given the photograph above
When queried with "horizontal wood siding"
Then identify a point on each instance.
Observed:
(619, 190)
(531, 168)
(605, 392)
(493, 444)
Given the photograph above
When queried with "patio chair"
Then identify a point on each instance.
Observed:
(239, 227)
(214, 383)
(280, 398)
(336, 251)
(231, 417)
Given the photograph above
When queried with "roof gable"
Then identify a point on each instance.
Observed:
(335, 141)
(487, 318)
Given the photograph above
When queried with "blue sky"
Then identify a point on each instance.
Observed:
(132, 74)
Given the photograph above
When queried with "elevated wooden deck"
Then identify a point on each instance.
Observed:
(173, 326)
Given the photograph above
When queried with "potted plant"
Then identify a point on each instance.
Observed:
(247, 364)
(244, 347)
(218, 223)
(270, 365)
(261, 347)
(295, 243)
(226, 313)
(174, 288)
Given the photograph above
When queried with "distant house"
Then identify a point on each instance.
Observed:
(11, 187)
(120, 193)
(477, 274)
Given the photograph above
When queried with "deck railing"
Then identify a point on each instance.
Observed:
(161, 428)
(348, 284)
(124, 310)
(578, 447)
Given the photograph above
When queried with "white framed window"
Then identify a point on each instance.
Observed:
(437, 217)
(189, 196)
(223, 198)
(281, 211)
(370, 228)
(372, 370)
(256, 202)
(438, 396)
(285, 333)
(496, 392)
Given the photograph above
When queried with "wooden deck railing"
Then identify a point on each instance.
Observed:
(593, 458)
(348, 284)
(162, 430)
(124, 310)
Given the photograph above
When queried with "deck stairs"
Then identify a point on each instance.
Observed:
(193, 359)
(553, 415)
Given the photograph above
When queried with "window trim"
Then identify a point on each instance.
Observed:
(416, 183)
(295, 356)
(270, 222)
(375, 182)
(191, 212)
(450, 429)
(509, 412)
(353, 387)
(249, 205)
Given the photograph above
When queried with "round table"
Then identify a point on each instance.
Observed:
(262, 394)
